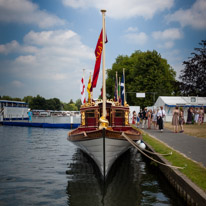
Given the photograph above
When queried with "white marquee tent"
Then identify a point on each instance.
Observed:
(170, 102)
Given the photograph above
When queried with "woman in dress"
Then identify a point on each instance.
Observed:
(157, 118)
(181, 120)
(154, 119)
(189, 116)
(134, 118)
(149, 118)
(175, 119)
(201, 116)
(196, 115)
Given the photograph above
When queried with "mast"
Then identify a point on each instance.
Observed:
(103, 120)
(103, 65)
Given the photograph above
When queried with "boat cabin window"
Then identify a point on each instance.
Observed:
(90, 113)
(119, 118)
(119, 113)
(90, 118)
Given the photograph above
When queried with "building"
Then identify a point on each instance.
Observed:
(170, 102)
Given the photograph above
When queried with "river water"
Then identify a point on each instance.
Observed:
(38, 166)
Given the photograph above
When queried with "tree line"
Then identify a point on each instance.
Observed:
(149, 73)
(41, 103)
(145, 72)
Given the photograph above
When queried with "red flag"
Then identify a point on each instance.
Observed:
(98, 54)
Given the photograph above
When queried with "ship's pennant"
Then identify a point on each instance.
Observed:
(98, 54)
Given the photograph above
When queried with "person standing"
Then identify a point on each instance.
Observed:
(134, 118)
(175, 119)
(181, 120)
(196, 115)
(149, 118)
(157, 119)
(201, 116)
(140, 115)
(160, 116)
(189, 115)
(144, 117)
(154, 119)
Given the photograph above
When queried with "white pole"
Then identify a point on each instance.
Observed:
(124, 87)
(116, 87)
(103, 65)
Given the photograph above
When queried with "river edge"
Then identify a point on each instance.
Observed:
(189, 191)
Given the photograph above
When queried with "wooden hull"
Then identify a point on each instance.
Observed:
(103, 146)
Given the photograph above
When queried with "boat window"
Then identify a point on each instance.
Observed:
(119, 113)
(90, 113)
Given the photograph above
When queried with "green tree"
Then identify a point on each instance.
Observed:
(71, 101)
(38, 102)
(70, 107)
(54, 104)
(145, 72)
(194, 74)
(10, 98)
(78, 103)
(28, 99)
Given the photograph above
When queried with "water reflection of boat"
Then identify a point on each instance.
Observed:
(131, 181)
(85, 188)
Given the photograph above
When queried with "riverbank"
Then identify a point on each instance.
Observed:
(192, 177)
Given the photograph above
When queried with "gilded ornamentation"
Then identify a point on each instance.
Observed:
(126, 118)
(103, 122)
(83, 118)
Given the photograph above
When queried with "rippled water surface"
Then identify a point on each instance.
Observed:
(38, 166)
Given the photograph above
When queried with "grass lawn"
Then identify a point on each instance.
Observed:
(194, 171)
(190, 129)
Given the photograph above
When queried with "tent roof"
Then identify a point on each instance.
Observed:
(184, 101)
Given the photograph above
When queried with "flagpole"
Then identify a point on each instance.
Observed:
(103, 64)
(124, 87)
(116, 85)
(83, 86)
(119, 89)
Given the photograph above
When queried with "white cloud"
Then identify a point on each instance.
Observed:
(137, 38)
(120, 9)
(132, 29)
(50, 60)
(29, 59)
(14, 47)
(9, 47)
(166, 45)
(170, 34)
(194, 17)
(17, 84)
(24, 11)
(167, 37)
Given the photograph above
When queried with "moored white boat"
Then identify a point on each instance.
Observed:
(105, 145)
(104, 121)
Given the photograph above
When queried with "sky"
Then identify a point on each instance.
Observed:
(46, 44)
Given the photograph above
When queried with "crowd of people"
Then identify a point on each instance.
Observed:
(155, 118)
(195, 115)
(149, 118)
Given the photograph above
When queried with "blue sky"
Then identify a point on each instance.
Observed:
(45, 45)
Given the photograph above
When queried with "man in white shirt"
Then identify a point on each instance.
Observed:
(160, 116)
